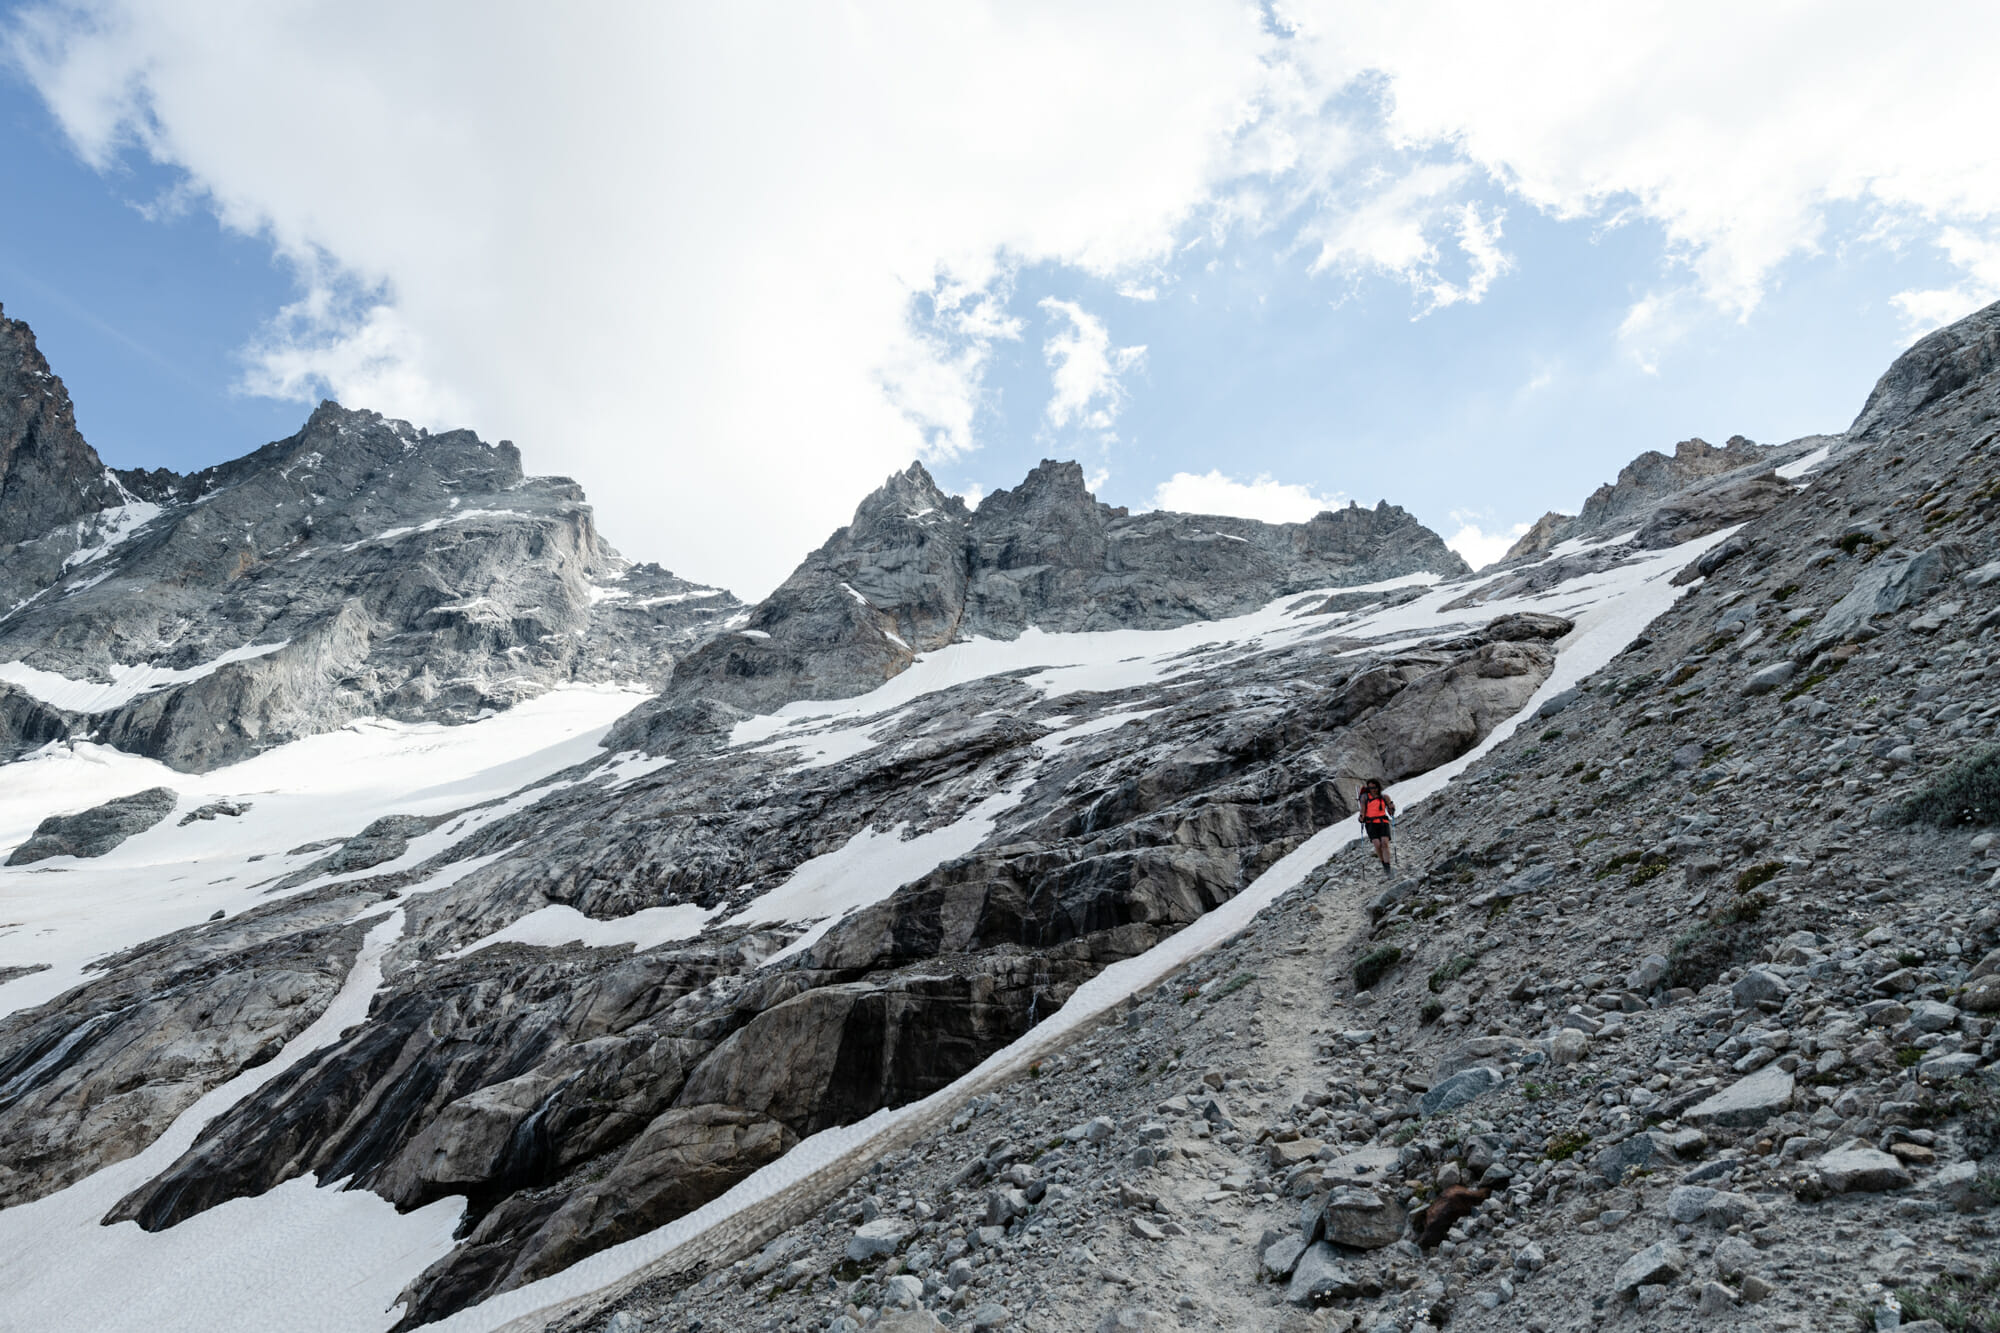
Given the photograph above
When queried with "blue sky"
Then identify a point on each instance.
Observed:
(730, 268)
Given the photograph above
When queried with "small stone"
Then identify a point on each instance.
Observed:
(1145, 1230)
(1735, 1257)
(902, 1291)
(1659, 1263)
(1530, 1258)
(1769, 678)
(1284, 1156)
(1715, 1299)
(1688, 1202)
(1756, 1288)
(987, 1317)
(1281, 1256)
(1098, 1130)
(1931, 1016)
(1861, 1168)
(1625, 1156)
(1958, 1186)
(1982, 996)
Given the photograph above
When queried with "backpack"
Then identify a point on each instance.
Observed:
(1375, 808)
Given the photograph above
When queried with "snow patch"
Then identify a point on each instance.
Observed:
(559, 924)
(126, 684)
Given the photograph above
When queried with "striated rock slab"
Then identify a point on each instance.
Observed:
(97, 830)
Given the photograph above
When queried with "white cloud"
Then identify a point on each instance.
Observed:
(728, 265)
(1734, 129)
(1478, 547)
(1978, 257)
(1084, 368)
(671, 250)
(1262, 498)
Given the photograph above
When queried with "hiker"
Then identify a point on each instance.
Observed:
(1377, 814)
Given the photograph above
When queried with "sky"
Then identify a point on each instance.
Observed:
(731, 266)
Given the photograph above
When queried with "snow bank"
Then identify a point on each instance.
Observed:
(560, 924)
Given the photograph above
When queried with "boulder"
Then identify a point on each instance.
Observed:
(1747, 1103)
(1859, 1168)
(1461, 1089)
(1982, 996)
(877, 1239)
(1320, 1277)
(1659, 1263)
(1362, 1219)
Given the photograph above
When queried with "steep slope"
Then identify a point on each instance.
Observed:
(1685, 1011)
(360, 568)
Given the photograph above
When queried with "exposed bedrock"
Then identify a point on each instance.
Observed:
(98, 830)
(95, 1076)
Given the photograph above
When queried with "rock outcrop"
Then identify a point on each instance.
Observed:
(97, 830)
(1636, 498)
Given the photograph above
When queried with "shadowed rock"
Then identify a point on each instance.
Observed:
(97, 830)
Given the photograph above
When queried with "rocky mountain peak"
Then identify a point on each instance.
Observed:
(1937, 366)
(49, 475)
(1643, 484)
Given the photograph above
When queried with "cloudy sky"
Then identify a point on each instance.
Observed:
(730, 265)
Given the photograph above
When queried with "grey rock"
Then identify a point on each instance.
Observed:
(1627, 1155)
(1958, 1186)
(1936, 366)
(1688, 1203)
(1568, 1046)
(1747, 1103)
(1766, 679)
(1362, 1219)
(1932, 1016)
(1715, 1299)
(1660, 1262)
(1736, 1257)
(1861, 1168)
(97, 830)
(1756, 986)
(1281, 1256)
(1320, 1277)
(874, 1240)
(1461, 1089)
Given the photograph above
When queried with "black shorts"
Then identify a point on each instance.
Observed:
(1375, 828)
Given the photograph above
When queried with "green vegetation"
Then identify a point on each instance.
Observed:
(1961, 1304)
(1234, 984)
(1372, 966)
(1908, 1056)
(1552, 734)
(1647, 872)
(1718, 753)
(1448, 972)
(1563, 1146)
(1784, 594)
(1968, 792)
(1618, 863)
(1430, 1012)
(1683, 676)
(1592, 776)
(1761, 873)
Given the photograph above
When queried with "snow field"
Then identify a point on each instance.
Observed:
(66, 912)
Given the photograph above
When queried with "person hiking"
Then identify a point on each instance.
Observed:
(1378, 813)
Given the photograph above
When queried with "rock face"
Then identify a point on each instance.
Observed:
(49, 477)
(97, 830)
(1942, 364)
(361, 567)
(916, 570)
